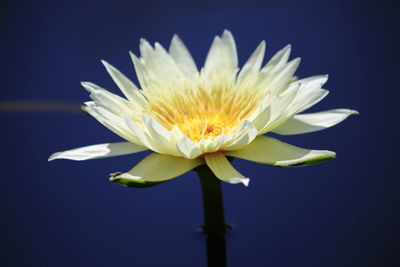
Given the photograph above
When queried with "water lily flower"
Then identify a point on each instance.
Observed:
(190, 117)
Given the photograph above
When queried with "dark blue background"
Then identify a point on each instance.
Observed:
(344, 212)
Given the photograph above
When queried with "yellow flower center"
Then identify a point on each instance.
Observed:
(203, 113)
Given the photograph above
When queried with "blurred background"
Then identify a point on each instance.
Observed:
(344, 212)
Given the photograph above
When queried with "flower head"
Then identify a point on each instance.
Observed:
(189, 117)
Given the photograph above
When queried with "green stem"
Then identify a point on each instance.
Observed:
(214, 221)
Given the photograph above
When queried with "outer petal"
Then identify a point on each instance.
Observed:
(222, 168)
(268, 150)
(127, 86)
(108, 100)
(98, 151)
(311, 122)
(159, 167)
(111, 121)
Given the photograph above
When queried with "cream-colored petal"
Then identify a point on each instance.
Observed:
(311, 122)
(317, 80)
(268, 150)
(279, 108)
(98, 151)
(139, 133)
(253, 64)
(262, 119)
(159, 167)
(308, 94)
(230, 47)
(243, 137)
(221, 59)
(281, 78)
(182, 57)
(223, 169)
(278, 60)
(111, 121)
(126, 85)
(141, 71)
(158, 68)
(110, 101)
(188, 148)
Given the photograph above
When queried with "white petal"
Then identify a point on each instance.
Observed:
(221, 59)
(307, 95)
(253, 64)
(139, 133)
(318, 80)
(279, 108)
(188, 148)
(159, 167)
(127, 86)
(306, 99)
(268, 150)
(111, 121)
(159, 137)
(182, 57)
(108, 100)
(279, 59)
(141, 71)
(98, 151)
(243, 137)
(311, 122)
(158, 69)
(223, 169)
(230, 47)
(282, 77)
(262, 119)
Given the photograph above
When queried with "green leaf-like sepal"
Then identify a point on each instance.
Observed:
(133, 183)
(85, 109)
(311, 161)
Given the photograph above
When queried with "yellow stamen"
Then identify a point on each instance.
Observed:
(202, 113)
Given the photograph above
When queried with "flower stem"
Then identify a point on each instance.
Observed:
(214, 221)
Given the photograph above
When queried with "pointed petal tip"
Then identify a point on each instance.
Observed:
(297, 60)
(106, 64)
(226, 31)
(288, 47)
(53, 156)
(125, 176)
(88, 86)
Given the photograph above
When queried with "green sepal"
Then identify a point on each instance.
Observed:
(133, 183)
(85, 109)
(310, 161)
